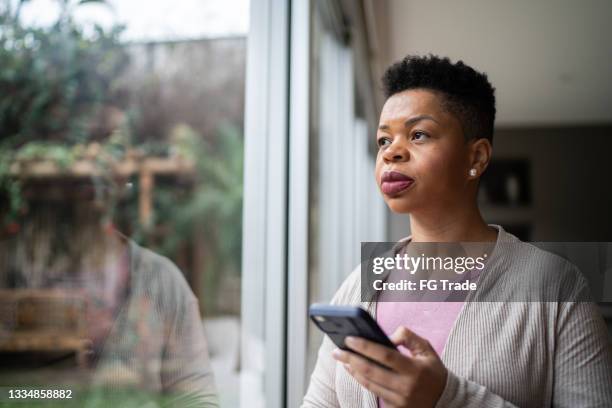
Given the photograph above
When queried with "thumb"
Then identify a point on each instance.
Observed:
(412, 341)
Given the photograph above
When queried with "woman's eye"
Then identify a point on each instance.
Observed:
(419, 136)
(383, 141)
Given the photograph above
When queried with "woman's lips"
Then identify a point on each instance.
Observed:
(394, 187)
(393, 182)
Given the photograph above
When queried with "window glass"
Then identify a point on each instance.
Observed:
(345, 207)
(121, 164)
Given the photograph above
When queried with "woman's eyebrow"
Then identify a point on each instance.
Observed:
(418, 119)
(411, 121)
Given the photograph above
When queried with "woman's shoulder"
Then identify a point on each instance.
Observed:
(540, 272)
(349, 292)
(156, 275)
(541, 256)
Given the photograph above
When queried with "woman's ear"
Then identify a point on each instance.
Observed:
(480, 156)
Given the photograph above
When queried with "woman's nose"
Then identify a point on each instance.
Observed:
(395, 152)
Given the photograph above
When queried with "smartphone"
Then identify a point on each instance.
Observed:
(338, 322)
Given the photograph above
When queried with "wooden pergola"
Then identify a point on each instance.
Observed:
(146, 168)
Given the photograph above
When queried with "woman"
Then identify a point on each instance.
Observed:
(435, 141)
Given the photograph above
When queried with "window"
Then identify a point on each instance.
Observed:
(121, 177)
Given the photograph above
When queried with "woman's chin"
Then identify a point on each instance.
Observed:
(399, 206)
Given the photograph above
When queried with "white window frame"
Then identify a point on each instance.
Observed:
(274, 322)
(264, 238)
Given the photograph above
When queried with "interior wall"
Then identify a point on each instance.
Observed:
(549, 59)
(570, 173)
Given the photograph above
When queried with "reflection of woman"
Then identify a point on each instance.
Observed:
(434, 143)
(141, 318)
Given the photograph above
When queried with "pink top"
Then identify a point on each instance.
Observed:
(430, 320)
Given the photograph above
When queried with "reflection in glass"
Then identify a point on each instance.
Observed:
(120, 205)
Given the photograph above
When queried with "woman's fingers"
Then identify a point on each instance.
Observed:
(369, 372)
(409, 381)
(412, 341)
(386, 356)
(390, 397)
(361, 364)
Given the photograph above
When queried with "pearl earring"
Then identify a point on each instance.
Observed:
(472, 172)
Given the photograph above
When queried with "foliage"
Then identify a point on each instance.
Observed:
(214, 205)
(61, 100)
(56, 85)
(58, 80)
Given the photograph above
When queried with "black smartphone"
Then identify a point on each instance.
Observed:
(339, 322)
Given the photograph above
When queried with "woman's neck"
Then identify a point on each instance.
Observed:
(452, 225)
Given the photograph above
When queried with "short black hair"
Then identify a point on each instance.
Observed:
(468, 93)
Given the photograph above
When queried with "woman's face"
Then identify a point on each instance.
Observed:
(423, 159)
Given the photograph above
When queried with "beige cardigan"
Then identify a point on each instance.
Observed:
(157, 343)
(155, 351)
(500, 354)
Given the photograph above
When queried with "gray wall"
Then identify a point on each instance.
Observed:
(570, 174)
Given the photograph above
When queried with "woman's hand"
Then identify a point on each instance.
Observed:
(416, 381)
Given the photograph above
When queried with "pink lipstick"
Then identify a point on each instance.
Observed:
(393, 182)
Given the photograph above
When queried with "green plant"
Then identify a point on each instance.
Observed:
(56, 80)
(217, 205)
(56, 85)
(214, 205)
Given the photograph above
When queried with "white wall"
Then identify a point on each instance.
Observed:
(550, 60)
